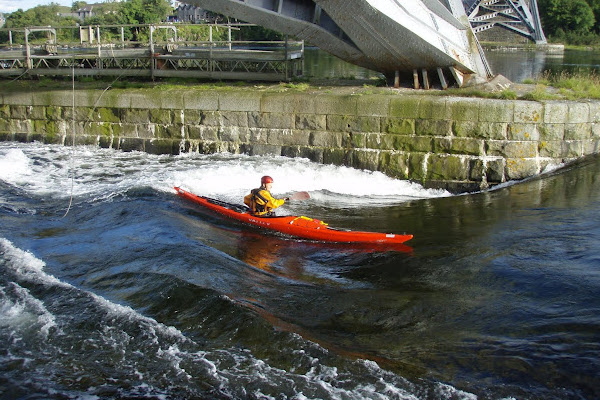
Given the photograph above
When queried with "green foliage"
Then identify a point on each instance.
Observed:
(566, 15)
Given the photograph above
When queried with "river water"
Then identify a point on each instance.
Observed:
(517, 65)
(136, 293)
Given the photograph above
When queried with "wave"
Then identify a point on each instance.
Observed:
(102, 174)
(60, 333)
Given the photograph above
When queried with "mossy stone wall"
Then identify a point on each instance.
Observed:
(455, 143)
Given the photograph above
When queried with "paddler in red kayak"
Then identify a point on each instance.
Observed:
(260, 200)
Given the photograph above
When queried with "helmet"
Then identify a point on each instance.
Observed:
(266, 179)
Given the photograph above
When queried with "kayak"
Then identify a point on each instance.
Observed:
(297, 226)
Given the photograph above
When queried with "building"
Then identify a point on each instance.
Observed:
(191, 14)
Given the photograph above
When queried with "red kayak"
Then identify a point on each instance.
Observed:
(302, 227)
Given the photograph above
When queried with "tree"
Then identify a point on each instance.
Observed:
(567, 15)
(77, 5)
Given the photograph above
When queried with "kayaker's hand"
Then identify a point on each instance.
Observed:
(287, 199)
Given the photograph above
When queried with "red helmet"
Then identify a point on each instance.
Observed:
(266, 179)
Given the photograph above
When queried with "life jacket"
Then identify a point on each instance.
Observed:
(258, 202)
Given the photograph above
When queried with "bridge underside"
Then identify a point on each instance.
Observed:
(513, 15)
(422, 39)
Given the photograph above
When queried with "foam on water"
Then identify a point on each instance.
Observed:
(145, 352)
(102, 174)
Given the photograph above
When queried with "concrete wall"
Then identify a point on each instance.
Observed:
(450, 142)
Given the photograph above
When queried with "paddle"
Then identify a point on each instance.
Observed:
(300, 196)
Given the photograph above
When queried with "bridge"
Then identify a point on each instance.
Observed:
(414, 40)
(513, 15)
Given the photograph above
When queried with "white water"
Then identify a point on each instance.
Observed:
(45, 170)
(23, 316)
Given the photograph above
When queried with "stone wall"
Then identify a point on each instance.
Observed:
(450, 142)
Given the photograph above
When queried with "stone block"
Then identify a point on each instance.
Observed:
(234, 119)
(555, 112)
(132, 144)
(18, 112)
(200, 100)
(523, 131)
(355, 140)
(432, 108)
(417, 166)
(103, 114)
(172, 99)
(141, 99)
(521, 168)
(591, 146)
(286, 137)
(373, 105)
(335, 156)
(465, 146)
(314, 154)
(578, 112)
(172, 131)
(551, 132)
(528, 112)
(5, 111)
(289, 103)
(212, 118)
(133, 130)
(352, 123)
(290, 151)
(476, 170)
(462, 109)
(263, 150)
(365, 159)
(404, 107)
(573, 148)
(316, 122)
(394, 164)
(512, 149)
(497, 111)
(421, 144)
(484, 130)
(135, 116)
(336, 104)
(232, 134)
(38, 112)
(594, 111)
(552, 149)
(447, 168)
(271, 120)
(201, 132)
(596, 130)
(398, 126)
(495, 170)
(115, 98)
(159, 146)
(326, 139)
(381, 141)
(433, 127)
(246, 101)
(161, 116)
(578, 131)
(20, 98)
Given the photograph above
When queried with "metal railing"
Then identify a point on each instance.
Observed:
(89, 51)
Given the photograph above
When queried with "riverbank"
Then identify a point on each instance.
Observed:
(440, 140)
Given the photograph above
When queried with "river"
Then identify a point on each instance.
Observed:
(136, 293)
(515, 64)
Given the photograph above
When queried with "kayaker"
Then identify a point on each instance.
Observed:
(260, 200)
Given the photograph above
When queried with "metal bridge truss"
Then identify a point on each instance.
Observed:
(513, 15)
(413, 39)
(228, 65)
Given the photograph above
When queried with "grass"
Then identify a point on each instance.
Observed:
(570, 85)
